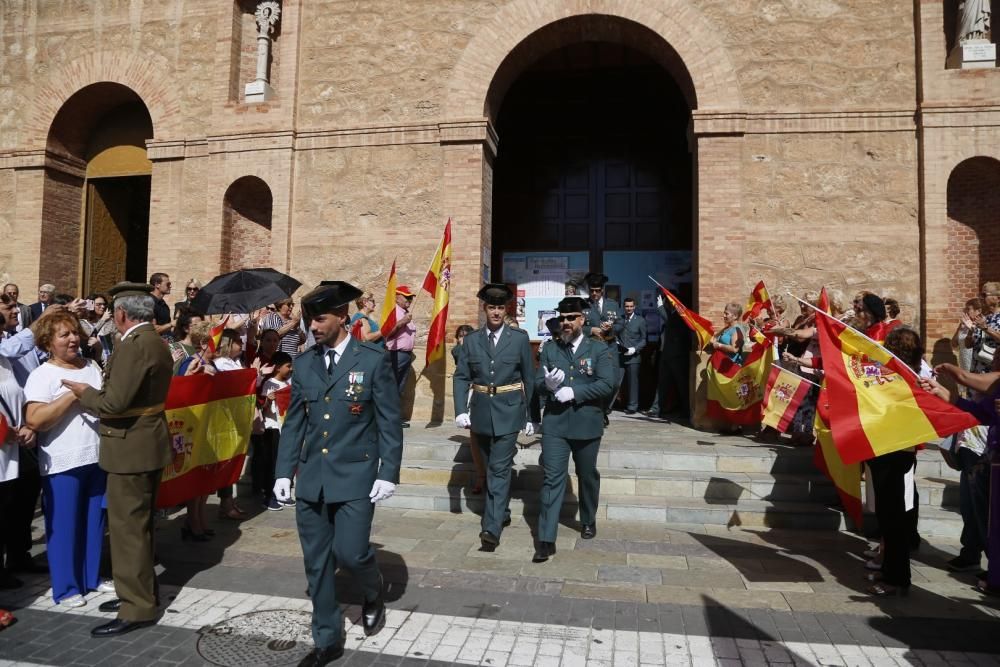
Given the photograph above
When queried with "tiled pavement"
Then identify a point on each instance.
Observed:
(639, 594)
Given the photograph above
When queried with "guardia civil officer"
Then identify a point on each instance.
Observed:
(604, 323)
(575, 378)
(135, 446)
(496, 364)
(342, 434)
(630, 344)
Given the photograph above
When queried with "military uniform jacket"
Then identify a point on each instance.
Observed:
(341, 431)
(593, 318)
(590, 374)
(481, 363)
(133, 428)
(633, 335)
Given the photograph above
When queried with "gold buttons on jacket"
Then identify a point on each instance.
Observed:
(324, 434)
(327, 399)
(326, 451)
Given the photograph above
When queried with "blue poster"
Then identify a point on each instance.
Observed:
(539, 279)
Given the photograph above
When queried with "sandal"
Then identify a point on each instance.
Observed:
(885, 590)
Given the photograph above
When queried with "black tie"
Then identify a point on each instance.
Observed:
(332, 354)
(493, 339)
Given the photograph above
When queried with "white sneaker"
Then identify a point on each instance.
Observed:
(73, 601)
(106, 586)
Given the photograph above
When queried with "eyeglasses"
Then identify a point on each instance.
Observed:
(569, 318)
(192, 289)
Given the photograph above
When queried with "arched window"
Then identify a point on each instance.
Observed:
(973, 229)
(246, 225)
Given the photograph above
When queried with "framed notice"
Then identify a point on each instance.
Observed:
(540, 278)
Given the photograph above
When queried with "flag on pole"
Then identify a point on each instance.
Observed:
(215, 334)
(824, 300)
(388, 317)
(736, 393)
(436, 283)
(783, 395)
(282, 399)
(846, 478)
(876, 405)
(759, 300)
(699, 325)
(210, 418)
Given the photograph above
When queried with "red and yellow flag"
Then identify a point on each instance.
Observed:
(759, 300)
(876, 405)
(358, 327)
(736, 393)
(783, 395)
(846, 478)
(436, 283)
(210, 419)
(215, 334)
(699, 325)
(388, 316)
(282, 399)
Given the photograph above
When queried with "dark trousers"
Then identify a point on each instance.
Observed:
(336, 535)
(131, 502)
(617, 374)
(632, 386)
(401, 361)
(7, 496)
(973, 499)
(73, 503)
(498, 458)
(889, 480)
(555, 461)
(23, 502)
(673, 374)
(265, 458)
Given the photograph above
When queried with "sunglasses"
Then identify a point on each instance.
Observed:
(568, 318)
(192, 289)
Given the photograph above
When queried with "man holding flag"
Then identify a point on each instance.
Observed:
(399, 332)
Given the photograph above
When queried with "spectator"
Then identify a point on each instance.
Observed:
(229, 357)
(45, 293)
(23, 313)
(801, 348)
(286, 322)
(988, 325)
(968, 337)
(400, 339)
(631, 342)
(265, 455)
(195, 526)
(190, 292)
(730, 340)
(161, 311)
(366, 306)
(99, 328)
(181, 347)
(892, 309)
(73, 485)
(675, 358)
(877, 322)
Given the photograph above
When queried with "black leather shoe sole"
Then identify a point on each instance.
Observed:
(589, 532)
(118, 627)
(111, 606)
(488, 540)
(322, 656)
(543, 552)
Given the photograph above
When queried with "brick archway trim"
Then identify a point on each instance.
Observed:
(147, 75)
(682, 26)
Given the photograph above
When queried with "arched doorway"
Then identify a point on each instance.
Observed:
(973, 239)
(246, 224)
(95, 214)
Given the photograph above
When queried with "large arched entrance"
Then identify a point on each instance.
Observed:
(95, 212)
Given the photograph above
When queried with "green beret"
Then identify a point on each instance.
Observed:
(130, 289)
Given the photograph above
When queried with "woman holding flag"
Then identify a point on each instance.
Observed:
(366, 306)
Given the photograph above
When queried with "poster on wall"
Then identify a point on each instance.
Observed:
(629, 271)
(540, 279)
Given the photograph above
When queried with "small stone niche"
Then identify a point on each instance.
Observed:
(255, 55)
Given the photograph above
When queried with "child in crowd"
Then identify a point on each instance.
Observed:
(266, 455)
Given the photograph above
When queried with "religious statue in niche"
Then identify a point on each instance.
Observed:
(267, 16)
(973, 45)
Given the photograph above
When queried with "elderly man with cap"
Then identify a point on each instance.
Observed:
(342, 434)
(135, 446)
(399, 340)
(604, 323)
(575, 379)
(496, 364)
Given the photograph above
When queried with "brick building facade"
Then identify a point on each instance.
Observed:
(827, 141)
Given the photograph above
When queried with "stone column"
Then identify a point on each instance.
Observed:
(267, 15)
(974, 48)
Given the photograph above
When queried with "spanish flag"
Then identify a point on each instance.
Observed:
(388, 316)
(876, 405)
(783, 395)
(215, 334)
(283, 399)
(436, 283)
(846, 478)
(698, 324)
(210, 418)
(759, 300)
(736, 393)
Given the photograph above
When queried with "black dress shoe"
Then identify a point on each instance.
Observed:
(543, 551)
(26, 566)
(111, 606)
(119, 626)
(506, 522)
(373, 613)
(630, 412)
(607, 422)
(488, 540)
(589, 531)
(321, 656)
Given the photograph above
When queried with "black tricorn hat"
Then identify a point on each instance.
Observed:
(495, 294)
(595, 279)
(130, 289)
(572, 304)
(552, 324)
(330, 295)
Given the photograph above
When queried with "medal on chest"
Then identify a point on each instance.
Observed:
(355, 385)
(587, 366)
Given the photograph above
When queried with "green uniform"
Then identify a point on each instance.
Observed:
(341, 433)
(135, 446)
(496, 417)
(574, 428)
(592, 318)
(633, 335)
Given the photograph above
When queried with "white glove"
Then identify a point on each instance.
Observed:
(382, 490)
(565, 394)
(659, 300)
(629, 352)
(282, 488)
(463, 421)
(554, 378)
(529, 429)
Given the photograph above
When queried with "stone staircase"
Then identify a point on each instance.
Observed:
(653, 471)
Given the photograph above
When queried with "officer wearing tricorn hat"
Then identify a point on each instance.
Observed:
(495, 364)
(574, 379)
(604, 322)
(342, 434)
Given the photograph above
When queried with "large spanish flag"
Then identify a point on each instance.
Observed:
(759, 300)
(736, 393)
(846, 477)
(210, 419)
(876, 405)
(387, 320)
(783, 395)
(699, 325)
(436, 283)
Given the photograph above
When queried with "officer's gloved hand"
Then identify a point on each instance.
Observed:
(283, 488)
(553, 378)
(382, 490)
(629, 352)
(529, 429)
(659, 300)
(565, 394)
(463, 421)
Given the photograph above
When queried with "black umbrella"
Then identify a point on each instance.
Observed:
(243, 291)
